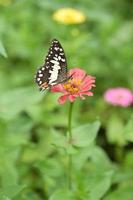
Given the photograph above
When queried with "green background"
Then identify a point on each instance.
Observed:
(30, 167)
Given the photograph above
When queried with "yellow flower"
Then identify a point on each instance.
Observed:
(69, 16)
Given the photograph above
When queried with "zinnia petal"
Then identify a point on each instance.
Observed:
(71, 98)
(119, 97)
(58, 88)
(88, 93)
(88, 83)
(77, 73)
(77, 86)
(62, 99)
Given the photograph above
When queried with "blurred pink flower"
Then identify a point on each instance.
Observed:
(119, 96)
(80, 84)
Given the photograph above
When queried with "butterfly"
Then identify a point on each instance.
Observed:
(54, 70)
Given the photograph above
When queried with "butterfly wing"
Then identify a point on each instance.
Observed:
(54, 70)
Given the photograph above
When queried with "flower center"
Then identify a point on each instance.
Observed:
(73, 86)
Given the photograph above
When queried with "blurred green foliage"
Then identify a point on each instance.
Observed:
(32, 123)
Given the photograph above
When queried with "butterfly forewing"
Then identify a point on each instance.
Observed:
(54, 70)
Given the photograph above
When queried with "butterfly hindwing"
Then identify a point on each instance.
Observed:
(54, 70)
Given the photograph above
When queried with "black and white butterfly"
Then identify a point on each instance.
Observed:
(54, 70)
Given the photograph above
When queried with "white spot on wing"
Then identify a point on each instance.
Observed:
(53, 83)
(55, 58)
(40, 75)
(59, 57)
(56, 48)
(55, 62)
(54, 72)
(63, 60)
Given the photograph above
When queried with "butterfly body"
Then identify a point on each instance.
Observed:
(54, 70)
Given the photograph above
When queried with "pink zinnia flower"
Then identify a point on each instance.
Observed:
(119, 97)
(80, 84)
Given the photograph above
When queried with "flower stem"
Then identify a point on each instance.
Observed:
(70, 121)
(70, 140)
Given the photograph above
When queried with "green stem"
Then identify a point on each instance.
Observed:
(70, 141)
(70, 121)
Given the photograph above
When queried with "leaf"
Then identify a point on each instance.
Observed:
(82, 156)
(99, 184)
(10, 191)
(59, 140)
(128, 160)
(121, 193)
(123, 175)
(99, 158)
(15, 101)
(50, 168)
(18, 131)
(62, 194)
(128, 130)
(115, 130)
(62, 143)
(85, 134)
(2, 50)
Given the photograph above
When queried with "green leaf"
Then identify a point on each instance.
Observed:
(128, 160)
(58, 139)
(49, 167)
(128, 130)
(85, 134)
(123, 175)
(62, 194)
(2, 50)
(62, 143)
(122, 193)
(15, 101)
(115, 130)
(82, 156)
(99, 184)
(10, 191)
(99, 158)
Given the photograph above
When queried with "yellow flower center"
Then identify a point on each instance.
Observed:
(72, 86)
